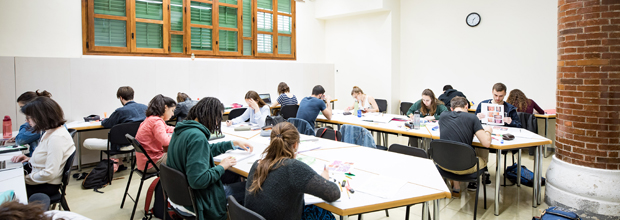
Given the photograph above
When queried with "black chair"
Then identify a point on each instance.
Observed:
(404, 107)
(59, 198)
(411, 151)
(116, 138)
(289, 111)
(329, 133)
(144, 176)
(235, 113)
(72, 132)
(177, 189)
(238, 212)
(457, 156)
(382, 104)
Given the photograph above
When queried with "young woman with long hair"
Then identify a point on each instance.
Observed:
(430, 108)
(257, 110)
(523, 104)
(153, 132)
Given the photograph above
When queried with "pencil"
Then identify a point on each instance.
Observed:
(348, 194)
(340, 186)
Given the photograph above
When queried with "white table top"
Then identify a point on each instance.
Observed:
(381, 122)
(13, 179)
(523, 137)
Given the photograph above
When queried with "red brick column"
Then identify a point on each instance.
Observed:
(588, 78)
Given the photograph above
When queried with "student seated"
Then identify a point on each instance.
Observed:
(44, 168)
(448, 94)
(518, 99)
(459, 125)
(257, 111)
(285, 97)
(430, 108)
(365, 102)
(37, 209)
(26, 135)
(191, 153)
(130, 112)
(310, 106)
(277, 183)
(183, 106)
(153, 132)
(510, 111)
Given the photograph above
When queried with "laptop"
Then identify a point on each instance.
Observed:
(266, 98)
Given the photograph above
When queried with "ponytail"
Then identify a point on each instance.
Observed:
(356, 90)
(284, 136)
(157, 105)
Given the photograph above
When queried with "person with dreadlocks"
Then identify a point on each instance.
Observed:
(523, 104)
(191, 153)
(278, 181)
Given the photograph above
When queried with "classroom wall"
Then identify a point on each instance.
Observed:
(515, 43)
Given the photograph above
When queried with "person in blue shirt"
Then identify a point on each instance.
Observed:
(499, 92)
(130, 112)
(257, 112)
(26, 134)
(310, 106)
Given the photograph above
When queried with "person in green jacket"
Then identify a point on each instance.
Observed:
(430, 108)
(191, 153)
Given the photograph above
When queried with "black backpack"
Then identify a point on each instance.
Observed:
(273, 120)
(328, 133)
(99, 176)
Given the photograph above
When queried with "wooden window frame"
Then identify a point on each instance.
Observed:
(131, 49)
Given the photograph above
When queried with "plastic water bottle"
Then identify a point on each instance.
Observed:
(356, 107)
(7, 127)
(416, 120)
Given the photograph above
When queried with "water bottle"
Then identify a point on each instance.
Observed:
(7, 127)
(416, 120)
(356, 107)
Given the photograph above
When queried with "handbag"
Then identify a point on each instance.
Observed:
(273, 120)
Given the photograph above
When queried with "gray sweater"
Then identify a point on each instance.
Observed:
(282, 194)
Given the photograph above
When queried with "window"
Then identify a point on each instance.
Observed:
(263, 29)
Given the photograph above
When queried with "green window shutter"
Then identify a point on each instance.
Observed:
(284, 45)
(264, 21)
(264, 43)
(247, 18)
(110, 7)
(247, 47)
(149, 9)
(265, 4)
(232, 2)
(110, 33)
(284, 6)
(149, 35)
(201, 13)
(228, 41)
(201, 39)
(176, 43)
(176, 15)
(284, 24)
(228, 17)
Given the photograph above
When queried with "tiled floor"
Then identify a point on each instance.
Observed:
(515, 201)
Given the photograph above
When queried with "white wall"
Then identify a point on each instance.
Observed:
(515, 43)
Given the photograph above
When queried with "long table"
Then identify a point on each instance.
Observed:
(519, 142)
(12, 178)
(226, 112)
(80, 127)
(416, 189)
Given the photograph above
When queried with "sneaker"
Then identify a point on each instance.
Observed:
(472, 186)
(456, 193)
(487, 178)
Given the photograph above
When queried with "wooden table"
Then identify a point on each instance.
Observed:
(80, 127)
(416, 190)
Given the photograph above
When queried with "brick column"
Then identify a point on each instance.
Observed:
(588, 102)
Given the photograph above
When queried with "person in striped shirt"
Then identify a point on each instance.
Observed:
(285, 97)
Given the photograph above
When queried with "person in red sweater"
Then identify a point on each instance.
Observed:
(153, 133)
(523, 104)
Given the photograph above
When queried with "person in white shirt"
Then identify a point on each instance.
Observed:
(257, 112)
(365, 102)
(55, 147)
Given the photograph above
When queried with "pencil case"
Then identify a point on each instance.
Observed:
(243, 128)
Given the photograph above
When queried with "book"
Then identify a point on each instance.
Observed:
(493, 114)
(237, 154)
(340, 166)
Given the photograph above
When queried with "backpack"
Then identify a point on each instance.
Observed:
(329, 134)
(99, 176)
(557, 213)
(273, 120)
(527, 176)
(158, 210)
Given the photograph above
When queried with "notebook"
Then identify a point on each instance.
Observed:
(237, 154)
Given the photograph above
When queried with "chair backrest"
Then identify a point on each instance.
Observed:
(238, 212)
(353, 134)
(453, 155)
(382, 104)
(411, 151)
(289, 111)
(302, 126)
(235, 113)
(528, 121)
(67, 172)
(72, 132)
(139, 149)
(404, 107)
(329, 133)
(117, 133)
(176, 188)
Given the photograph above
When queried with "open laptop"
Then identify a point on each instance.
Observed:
(266, 98)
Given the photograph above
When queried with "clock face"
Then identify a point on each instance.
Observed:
(473, 19)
